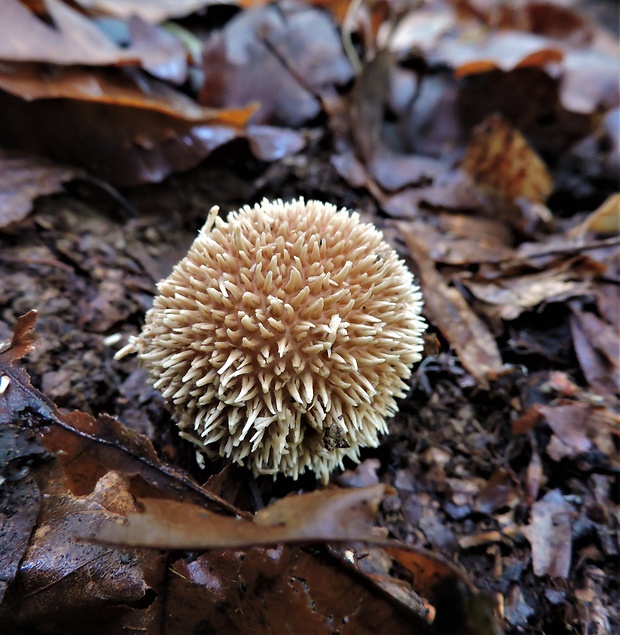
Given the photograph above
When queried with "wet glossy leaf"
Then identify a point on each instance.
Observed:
(115, 588)
(283, 590)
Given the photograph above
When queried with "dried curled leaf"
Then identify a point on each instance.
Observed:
(500, 161)
(23, 340)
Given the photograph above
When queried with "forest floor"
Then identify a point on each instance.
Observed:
(503, 458)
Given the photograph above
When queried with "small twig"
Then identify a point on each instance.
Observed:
(132, 212)
(558, 251)
(36, 260)
(347, 39)
(292, 72)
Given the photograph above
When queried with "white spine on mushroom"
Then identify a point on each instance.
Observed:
(284, 328)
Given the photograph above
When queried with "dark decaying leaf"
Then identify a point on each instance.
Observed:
(283, 590)
(20, 503)
(596, 346)
(125, 126)
(301, 590)
(458, 606)
(86, 447)
(25, 178)
(117, 589)
(20, 499)
(367, 105)
(439, 594)
(128, 146)
(500, 490)
(579, 428)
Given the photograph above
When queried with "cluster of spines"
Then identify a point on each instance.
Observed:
(262, 342)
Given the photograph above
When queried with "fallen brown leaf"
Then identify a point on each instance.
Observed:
(533, 477)
(580, 427)
(19, 509)
(275, 59)
(126, 128)
(113, 87)
(153, 11)
(448, 310)
(458, 606)
(549, 533)
(22, 342)
(517, 294)
(462, 240)
(570, 426)
(500, 490)
(73, 38)
(596, 346)
(366, 107)
(25, 178)
(161, 53)
(607, 302)
(330, 515)
(603, 336)
(501, 50)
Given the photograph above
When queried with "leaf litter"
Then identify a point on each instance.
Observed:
(110, 474)
(488, 133)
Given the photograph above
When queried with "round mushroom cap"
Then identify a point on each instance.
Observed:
(284, 336)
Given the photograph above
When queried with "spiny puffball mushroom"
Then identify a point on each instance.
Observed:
(283, 337)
